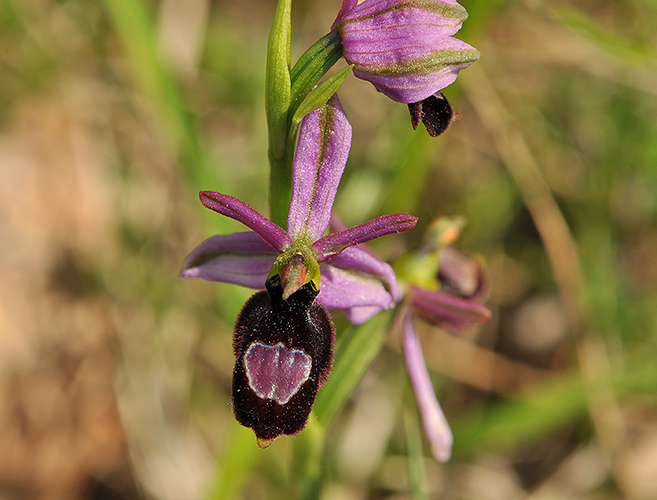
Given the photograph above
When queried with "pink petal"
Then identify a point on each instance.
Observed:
(359, 283)
(359, 315)
(449, 312)
(331, 245)
(434, 422)
(240, 211)
(405, 47)
(321, 156)
(240, 258)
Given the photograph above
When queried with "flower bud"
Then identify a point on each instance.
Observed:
(405, 48)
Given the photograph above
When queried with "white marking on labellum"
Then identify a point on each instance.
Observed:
(276, 372)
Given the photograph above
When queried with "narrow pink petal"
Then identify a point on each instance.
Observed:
(414, 86)
(331, 245)
(359, 283)
(449, 312)
(321, 156)
(337, 225)
(434, 422)
(342, 289)
(240, 211)
(240, 258)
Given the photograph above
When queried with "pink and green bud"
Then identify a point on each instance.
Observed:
(405, 48)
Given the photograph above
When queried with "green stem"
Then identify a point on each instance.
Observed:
(277, 105)
(280, 182)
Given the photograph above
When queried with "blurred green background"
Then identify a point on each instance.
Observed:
(115, 373)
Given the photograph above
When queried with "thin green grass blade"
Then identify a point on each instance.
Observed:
(415, 459)
(629, 51)
(307, 460)
(240, 457)
(136, 29)
(546, 408)
(355, 353)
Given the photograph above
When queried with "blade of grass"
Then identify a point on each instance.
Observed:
(628, 51)
(545, 408)
(307, 460)
(135, 28)
(355, 353)
(240, 457)
(415, 459)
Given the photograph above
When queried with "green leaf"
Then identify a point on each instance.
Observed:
(313, 65)
(319, 96)
(354, 354)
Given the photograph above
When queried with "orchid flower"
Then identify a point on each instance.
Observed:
(351, 278)
(461, 287)
(406, 50)
(283, 337)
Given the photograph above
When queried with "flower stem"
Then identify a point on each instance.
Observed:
(280, 182)
(277, 104)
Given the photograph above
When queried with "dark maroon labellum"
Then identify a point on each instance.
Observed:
(435, 112)
(284, 351)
